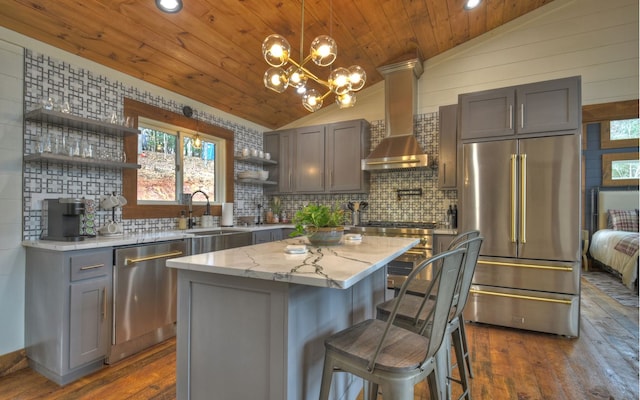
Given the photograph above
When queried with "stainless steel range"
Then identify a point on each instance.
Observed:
(400, 267)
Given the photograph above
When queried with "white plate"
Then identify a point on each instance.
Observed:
(295, 252)
(353, 236)
(296, 249)
(110, 234)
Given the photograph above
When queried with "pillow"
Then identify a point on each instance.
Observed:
(623, 220)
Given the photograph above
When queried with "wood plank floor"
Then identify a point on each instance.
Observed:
(508, 364)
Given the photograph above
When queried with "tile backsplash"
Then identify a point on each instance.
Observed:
(95, 96)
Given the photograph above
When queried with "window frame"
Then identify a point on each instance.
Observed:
(607, 161)
(133, 210)
(605, 137)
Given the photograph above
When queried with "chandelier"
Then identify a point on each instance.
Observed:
(285, 72)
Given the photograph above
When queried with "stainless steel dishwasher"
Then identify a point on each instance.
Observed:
(144, 300)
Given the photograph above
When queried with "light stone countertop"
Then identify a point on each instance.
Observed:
(335, 266)
(138, 238)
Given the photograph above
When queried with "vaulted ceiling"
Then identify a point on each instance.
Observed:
(211, 50)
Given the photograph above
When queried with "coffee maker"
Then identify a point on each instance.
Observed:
(63, 217)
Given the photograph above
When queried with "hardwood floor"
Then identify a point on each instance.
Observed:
(508, 364)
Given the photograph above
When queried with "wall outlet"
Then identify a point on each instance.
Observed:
(36, 200)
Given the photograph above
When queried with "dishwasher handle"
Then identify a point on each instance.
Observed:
(129, 261)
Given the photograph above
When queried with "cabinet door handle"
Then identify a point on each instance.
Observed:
(444, 172)
(522, 115)
(88, 267)
(510, 116)
(104, 303)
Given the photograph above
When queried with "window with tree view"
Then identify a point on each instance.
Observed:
(175, 161)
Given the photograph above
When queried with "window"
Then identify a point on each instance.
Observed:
(619, 133)
(620, 169)
(174, 161)
(183, 168)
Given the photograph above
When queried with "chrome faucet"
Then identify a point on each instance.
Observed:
(191, 222)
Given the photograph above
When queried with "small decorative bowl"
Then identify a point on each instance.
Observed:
(263, 175)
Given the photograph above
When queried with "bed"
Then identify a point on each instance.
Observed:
(615, 244)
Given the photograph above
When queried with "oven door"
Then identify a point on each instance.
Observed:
(399, 268)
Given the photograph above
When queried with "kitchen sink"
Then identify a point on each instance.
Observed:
(214, 240)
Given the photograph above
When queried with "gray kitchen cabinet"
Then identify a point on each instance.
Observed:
(347, 143)
(540, 107)
(310, 171)
(441, 242)
(266, 236)
(320, 159)
(447, 154)
(281, 145)
(67, 311)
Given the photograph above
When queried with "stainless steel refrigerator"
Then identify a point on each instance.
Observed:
(524, 197)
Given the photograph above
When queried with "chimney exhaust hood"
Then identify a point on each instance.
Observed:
(400, 148)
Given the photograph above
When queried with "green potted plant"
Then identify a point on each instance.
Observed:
(323, 225)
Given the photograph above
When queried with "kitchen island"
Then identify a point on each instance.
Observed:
(252, 320)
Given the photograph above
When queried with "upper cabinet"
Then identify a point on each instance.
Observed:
(347, 143)
(281, 146)
(320, 159)
(540, 107)
(447, 156)
(310, 174)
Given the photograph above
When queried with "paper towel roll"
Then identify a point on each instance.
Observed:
(227, 214)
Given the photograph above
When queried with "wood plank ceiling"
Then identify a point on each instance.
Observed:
(211, 50)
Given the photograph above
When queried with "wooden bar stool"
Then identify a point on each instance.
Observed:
(391, 357)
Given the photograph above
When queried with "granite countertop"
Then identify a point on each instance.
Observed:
(336, 266)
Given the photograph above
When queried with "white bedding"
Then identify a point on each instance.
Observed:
(602, 248)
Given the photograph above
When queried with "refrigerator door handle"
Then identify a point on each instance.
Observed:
(523, 198)
(519, 296)
(513, 197)
(523, 265)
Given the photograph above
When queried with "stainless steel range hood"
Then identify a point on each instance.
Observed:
(400, 148)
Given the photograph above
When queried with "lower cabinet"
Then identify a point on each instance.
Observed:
(441, 242)
(67, 311)
(265, 236)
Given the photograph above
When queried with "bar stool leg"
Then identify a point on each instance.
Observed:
(465, 348)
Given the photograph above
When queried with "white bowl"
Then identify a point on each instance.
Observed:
(248, 174)
(263, 175)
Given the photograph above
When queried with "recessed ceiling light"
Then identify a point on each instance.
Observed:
(471, 4)
(169, 6)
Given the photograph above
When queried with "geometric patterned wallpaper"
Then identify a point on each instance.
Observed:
(95, 96)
